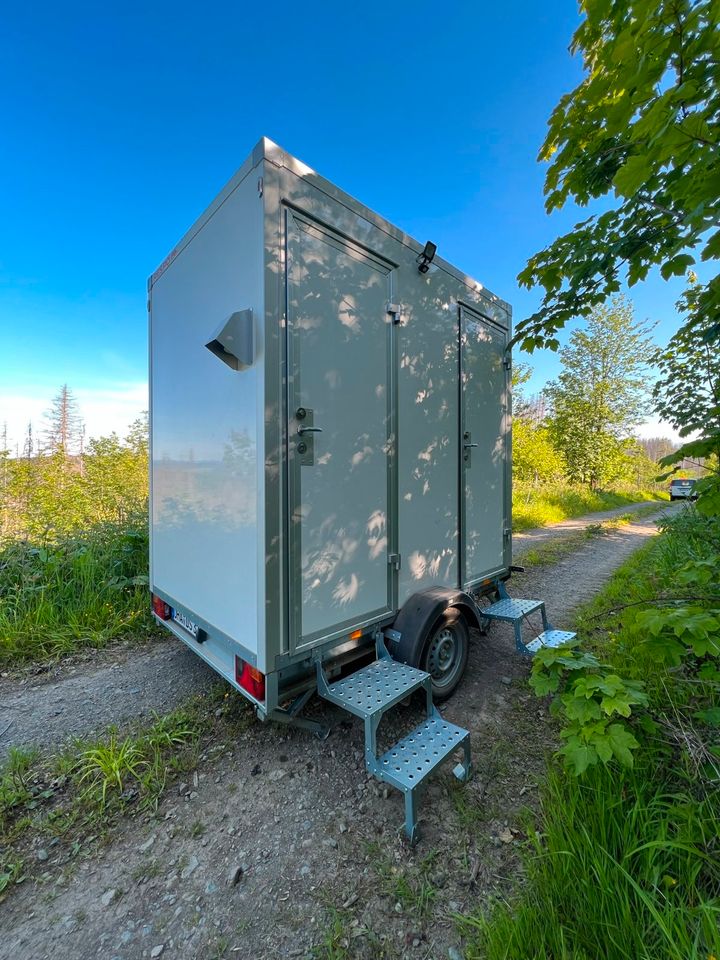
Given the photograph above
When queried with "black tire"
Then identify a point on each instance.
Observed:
(445, 653)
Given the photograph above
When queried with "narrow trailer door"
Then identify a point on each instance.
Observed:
(484, 448)
(339, 437)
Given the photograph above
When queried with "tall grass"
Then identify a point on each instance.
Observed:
(540, 506)
(625, 864)
(82, 590)
(621, 867)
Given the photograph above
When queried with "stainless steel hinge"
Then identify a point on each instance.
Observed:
(506, 532)
(396, 310)
(394, 559)
(506, 362)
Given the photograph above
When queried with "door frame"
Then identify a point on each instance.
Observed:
(476, 315)
(296, 641)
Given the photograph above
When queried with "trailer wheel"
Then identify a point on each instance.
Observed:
(445, 653)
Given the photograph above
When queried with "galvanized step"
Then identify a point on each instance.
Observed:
(511, 609)
(369, 693)
(549, 638)
(407, 764)
(411, 759)
(376, 688)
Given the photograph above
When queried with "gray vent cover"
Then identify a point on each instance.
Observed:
(234, 342)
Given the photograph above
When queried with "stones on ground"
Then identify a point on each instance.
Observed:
(506, 681)
(235, 875)
(42, 855)
(277, 774)
(189, 868)
(157, 951)
(506, 835)
(107, 898)
(144, 847)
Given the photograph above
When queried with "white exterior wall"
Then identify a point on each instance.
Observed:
(207, 543)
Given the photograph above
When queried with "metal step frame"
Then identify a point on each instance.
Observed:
(373, 690)
(513, 610)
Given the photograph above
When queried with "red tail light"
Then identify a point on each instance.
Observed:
(250, 679)
(160, 608)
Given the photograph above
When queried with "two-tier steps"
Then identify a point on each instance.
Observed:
(513, 610)
(369, 693)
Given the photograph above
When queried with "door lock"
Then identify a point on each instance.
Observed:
(467, 446)
(306, 436)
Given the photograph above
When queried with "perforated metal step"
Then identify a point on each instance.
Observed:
(376, 688)
(420, 752)
(550, 638)
(511, 609)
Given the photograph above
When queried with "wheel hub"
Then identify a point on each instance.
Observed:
(442, 654)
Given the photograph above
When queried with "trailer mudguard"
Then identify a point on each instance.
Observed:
(408, 634)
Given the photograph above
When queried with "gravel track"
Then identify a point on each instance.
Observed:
(301, 818)
(83, 695)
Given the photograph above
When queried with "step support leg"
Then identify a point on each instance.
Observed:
(464, 770)
(411, 825)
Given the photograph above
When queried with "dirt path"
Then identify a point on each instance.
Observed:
(530, 538)
(79, 696)
(315, 838)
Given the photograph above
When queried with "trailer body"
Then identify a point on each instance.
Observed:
(330, 429)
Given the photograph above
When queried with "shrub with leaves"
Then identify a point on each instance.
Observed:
(595, 702)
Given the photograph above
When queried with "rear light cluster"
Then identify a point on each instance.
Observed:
(250, 679)
(160, 608)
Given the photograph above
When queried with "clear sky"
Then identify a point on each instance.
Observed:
(122, 121)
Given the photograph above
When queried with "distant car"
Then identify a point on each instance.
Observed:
(683, 489)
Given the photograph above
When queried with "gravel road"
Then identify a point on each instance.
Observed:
(82, 695)
(297, 821)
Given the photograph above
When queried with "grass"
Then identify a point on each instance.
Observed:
(542, 506)
(58, 596)
(83, 791)
(556, 549)
(623, 862)
(410, 886)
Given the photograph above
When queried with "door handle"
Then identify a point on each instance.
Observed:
(301, 430)
(466, 445)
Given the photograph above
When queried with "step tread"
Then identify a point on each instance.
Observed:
(550, 638)
(376, 687)
(511, 608)
(411, 759)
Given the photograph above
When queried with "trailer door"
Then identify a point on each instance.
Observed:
(339, 434)
(484, 442)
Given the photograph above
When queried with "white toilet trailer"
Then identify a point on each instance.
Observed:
(330, 436)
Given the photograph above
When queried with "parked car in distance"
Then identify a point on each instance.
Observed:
(683, 489)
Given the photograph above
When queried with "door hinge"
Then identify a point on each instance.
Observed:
(395, 309)
(506, 532)
(394, 558)
(506, 362)
(260, 186)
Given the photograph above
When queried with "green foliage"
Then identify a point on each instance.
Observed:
(73, 548)
(600, 395)
(594, 702)
(536, 461)
(78, 591)
(625, 859)
(120, 767)
(642, 126)
(687, 393)
(539, 506)
(622, 866)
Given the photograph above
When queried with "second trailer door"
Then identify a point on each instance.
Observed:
(339, 437)
(484, 443)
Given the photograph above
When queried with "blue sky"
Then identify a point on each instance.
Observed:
(122, 121)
